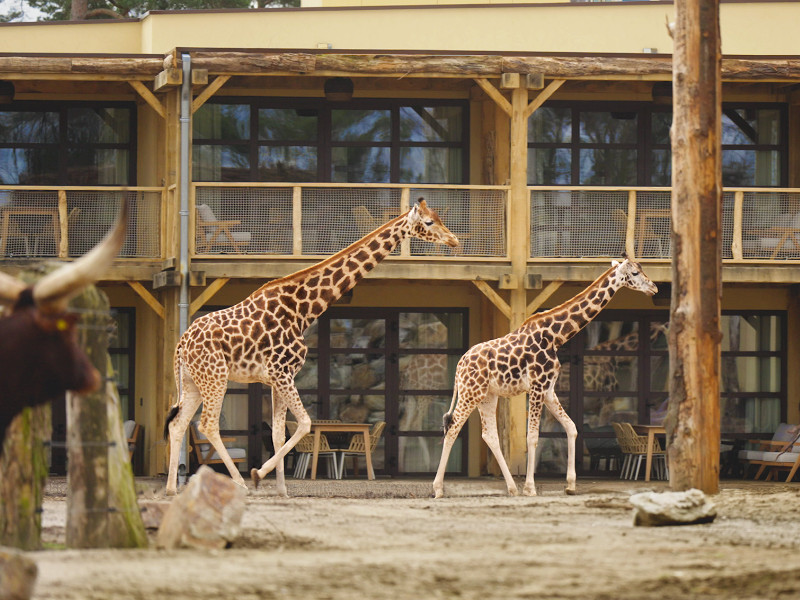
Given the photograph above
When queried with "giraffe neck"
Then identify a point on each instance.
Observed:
(569, 318)
(311, 291)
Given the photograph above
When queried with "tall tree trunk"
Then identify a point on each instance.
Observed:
(78, 9)
(694, 336)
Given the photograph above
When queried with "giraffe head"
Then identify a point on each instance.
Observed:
(631, 275)
(426, 225)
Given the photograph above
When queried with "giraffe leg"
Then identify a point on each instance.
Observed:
(188, 404)
(459, 418)
(209, 426)
(287, 397)
(488, 411)
(535, 401)
(554, 406)
(278, 439)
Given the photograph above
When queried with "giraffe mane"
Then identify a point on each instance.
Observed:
(576, 299)
(347, 251)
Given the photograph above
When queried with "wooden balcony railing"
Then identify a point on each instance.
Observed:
(64, 222)
(318, 219)
(758, 224)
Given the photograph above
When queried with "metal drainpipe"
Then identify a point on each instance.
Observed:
(183, 299)
(186, 119)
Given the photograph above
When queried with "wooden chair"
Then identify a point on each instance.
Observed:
(131, 429)
(211, 232)
(357, 449)
(781, 452)
(205, 453)
(305, 450)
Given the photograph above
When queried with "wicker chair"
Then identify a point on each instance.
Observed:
(305, 449)
(357, 449)
(205, 453)
(634, 446)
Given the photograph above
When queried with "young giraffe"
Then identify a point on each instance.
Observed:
(261, 340)
(526, 360)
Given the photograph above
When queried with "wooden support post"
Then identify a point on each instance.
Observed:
(102, 509)
(513, 420)
(693, 422)
(207, 294)
(23, 472)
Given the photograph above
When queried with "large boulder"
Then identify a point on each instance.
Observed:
(17, 575)
(207, 514)
(653, 509)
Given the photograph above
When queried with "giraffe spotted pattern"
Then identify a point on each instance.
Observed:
(526, 361)
(261, 340)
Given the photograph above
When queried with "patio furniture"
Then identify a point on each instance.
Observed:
(357, 449)
(211, 232)
(205, 453)
(305, 451)
(635, 447)
(780, 452)
(599, 448)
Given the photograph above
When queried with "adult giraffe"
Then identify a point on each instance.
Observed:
(526, 360)
(260, 340)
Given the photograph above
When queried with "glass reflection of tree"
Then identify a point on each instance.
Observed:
(32, 165)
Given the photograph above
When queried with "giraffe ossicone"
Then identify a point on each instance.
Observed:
(260, 340)
(526, 361)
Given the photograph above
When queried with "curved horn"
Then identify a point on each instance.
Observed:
(53, 291)
(10, 287)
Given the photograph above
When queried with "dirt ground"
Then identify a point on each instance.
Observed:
(343, 540)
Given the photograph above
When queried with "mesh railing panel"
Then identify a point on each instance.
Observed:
(771, 225)
(243, 220)
(575, 224)
(334, 218)
(727, 224)
(476, 216)
(31, 222)
(652, 233)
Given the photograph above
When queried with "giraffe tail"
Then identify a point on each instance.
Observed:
(173, 412)
(447, 419)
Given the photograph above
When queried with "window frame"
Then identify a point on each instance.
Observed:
(324, 142)
(645, 144)
(64, 147)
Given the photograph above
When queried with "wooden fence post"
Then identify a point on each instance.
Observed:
(694, 337)
(23, 473)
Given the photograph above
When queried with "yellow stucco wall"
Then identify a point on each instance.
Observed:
(747, 28)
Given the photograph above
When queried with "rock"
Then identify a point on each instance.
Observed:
(672, 508)
(153, 513)
(17, 575)
(207, 514)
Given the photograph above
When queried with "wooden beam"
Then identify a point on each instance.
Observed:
(543, 296)
(494, 297)
(543, 96)
(207, 294)
(145, 295)
(494, 94)
(693, 418)
(171, 77)
(149, 97)
(212, 89)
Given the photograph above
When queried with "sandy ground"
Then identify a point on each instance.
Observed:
(388, 539)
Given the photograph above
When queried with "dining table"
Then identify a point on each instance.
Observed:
(651, 431)
(317, 429)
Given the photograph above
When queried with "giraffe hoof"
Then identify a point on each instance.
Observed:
(531, 491)
(254, 476)
(571, 491)
(513, 491)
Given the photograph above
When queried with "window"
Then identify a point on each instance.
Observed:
(629, 144)
(617, 369)
(121, 348)
(67, 144)
(367, 142)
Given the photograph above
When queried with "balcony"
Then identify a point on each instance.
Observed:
(758, 225)
(65, 222)
(270, 229)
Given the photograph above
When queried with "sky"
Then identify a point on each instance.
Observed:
(8, 5)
